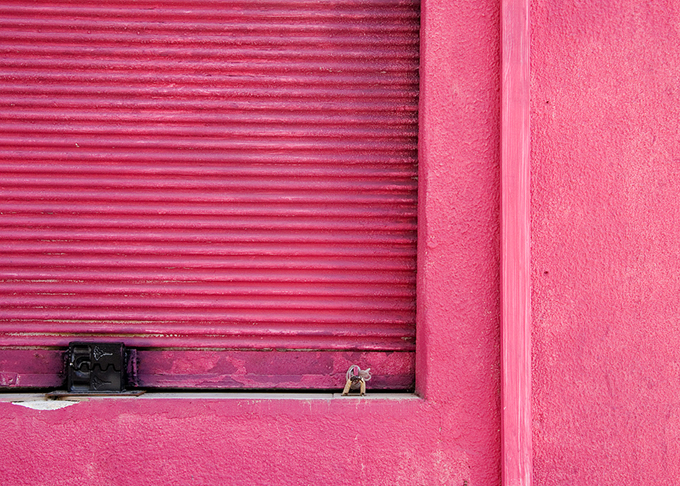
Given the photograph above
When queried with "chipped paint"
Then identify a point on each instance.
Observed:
(44, 405)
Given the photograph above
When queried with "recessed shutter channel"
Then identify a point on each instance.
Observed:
(226, 175)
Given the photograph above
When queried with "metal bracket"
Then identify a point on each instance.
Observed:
(96, 367)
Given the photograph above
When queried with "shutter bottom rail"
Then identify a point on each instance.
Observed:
(31, 368)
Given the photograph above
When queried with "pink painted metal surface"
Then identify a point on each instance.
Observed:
(449, 436)
(214, 369)
(36, 368)
(258, 369)
(605, 242)
(515, 246)
(195, 174)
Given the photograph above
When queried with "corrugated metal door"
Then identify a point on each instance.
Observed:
(223, 175)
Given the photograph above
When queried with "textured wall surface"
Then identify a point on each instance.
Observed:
(450, 436)
(142, 441)
(605, 242)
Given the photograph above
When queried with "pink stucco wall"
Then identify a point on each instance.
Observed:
(605, 254)
(606, 242)
(449, 436)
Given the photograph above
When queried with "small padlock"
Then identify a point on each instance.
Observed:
(356, 378)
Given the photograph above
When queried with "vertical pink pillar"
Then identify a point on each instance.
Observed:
(515, 251)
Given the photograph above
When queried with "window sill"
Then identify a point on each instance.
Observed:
(38, 401)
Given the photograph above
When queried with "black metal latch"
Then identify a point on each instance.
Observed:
(96, 367)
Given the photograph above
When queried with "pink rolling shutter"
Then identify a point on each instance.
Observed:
(238, 176)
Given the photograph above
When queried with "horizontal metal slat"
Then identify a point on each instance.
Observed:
(252, 249)
(210, 236)
(272, 343)
(195, 323)
(244, 66)
(226, 185)
(29, 287)
(194, 132)
(77, 116)
(134, 156)
(351, 96)
(259, 305)
(183, 322)
(291, 11)
(101, 101)
(213, 197)
(174, 260)
(232, 51)
(187, 28)
(208, 276)
(75, 141)
(222, 171)
(255, 36)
